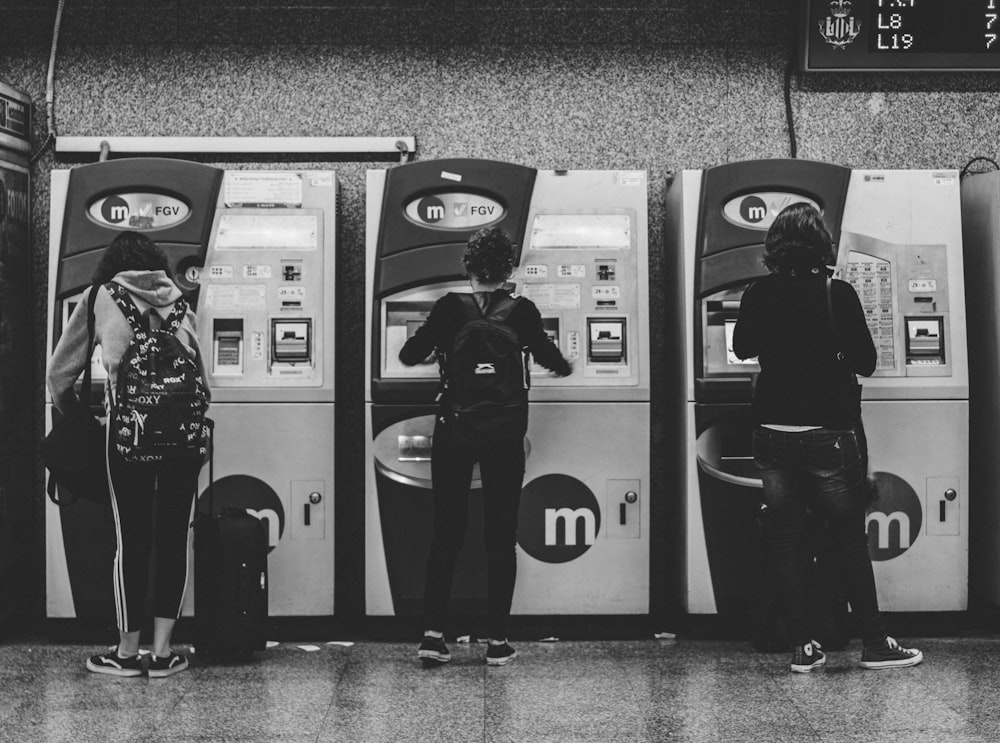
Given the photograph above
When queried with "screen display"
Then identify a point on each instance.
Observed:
(901, 35)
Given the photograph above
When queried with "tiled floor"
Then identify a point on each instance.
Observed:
(672, 690)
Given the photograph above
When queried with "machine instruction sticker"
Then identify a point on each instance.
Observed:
(262, 189)
(553, 296)
(235, 296)
(257, 272)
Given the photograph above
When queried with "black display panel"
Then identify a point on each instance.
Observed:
(899, 35)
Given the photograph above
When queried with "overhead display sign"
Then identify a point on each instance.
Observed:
(900, 35)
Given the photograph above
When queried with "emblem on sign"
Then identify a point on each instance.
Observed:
(840, 29)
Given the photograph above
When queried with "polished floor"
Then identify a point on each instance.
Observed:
(656, 690)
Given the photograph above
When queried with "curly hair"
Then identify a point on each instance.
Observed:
(798, 239)
(130, 251)
(489, 256)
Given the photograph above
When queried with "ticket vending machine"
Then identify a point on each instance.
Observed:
(583, 535)
(899, 243)
(981, 233)
(254, 253)
(15, 350)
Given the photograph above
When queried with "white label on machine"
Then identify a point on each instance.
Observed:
(581, 232)
(267, 232)
(220, 272)
(576, 271)
(606, 292)
(630, 178)
(235, 296)
(262, 189)
(257, 272)
(553, 296)
(257, 346)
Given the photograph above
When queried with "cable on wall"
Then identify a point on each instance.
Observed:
(50, 88)
(789, 70)
(965, 170)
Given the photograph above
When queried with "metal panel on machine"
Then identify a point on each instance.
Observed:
(583, 243)
(254, 253)
(899, 245)
(981, 232)
(15, 348)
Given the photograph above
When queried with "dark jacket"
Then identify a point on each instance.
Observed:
(447, 317)
(784, 322)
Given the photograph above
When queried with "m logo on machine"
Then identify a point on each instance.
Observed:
(894, 522)
(485, 369)
(559, 518)
(249, 494)
(756, 211)
(431, 209)
(139, 211)
(454, 210)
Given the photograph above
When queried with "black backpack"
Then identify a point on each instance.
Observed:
(486, 367)
(160, 397)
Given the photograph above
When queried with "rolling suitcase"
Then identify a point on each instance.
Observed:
(230, 577)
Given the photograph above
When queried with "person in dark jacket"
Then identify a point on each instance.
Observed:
(807, 408)
(152, 502)
(494, 439)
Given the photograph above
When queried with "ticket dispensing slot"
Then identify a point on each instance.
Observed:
(401, 321)
(551, 327)
(291, 341)
(606, 341)
(227, 346)
(924, 341)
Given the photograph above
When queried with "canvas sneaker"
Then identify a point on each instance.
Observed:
(168, 666)
(807, 657)
(433, 649)
(889, 654)
(499, 655)
(114, 665)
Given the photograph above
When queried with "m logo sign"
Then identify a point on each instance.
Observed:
(895, 520)
(559, 518)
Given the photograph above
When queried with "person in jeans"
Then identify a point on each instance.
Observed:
(806, 443)
(152, 502)
(494, 439)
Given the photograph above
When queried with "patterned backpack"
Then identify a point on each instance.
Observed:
(160, 397)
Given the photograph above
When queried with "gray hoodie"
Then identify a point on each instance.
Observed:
(152, 292)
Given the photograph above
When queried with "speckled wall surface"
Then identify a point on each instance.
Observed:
(658, 86)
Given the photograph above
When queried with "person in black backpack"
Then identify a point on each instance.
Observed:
(480, 340)
(142, 484)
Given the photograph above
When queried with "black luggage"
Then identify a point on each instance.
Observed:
(230, 577)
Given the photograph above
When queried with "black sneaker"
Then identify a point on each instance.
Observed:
(114, 665)
(890, 655)
(433, 649)
(807, 657)
(168, 666)
(499, 655)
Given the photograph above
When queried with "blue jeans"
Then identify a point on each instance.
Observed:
(821, 469)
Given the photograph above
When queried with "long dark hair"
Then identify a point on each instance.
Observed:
(798, 241)
(130, 251)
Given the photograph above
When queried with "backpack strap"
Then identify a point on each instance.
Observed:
(140, 327)
(124, 301)
(470, 306)
(501, 308)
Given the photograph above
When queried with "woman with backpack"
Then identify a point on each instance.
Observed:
(164, 483)
(808, 443)
(480, 341)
